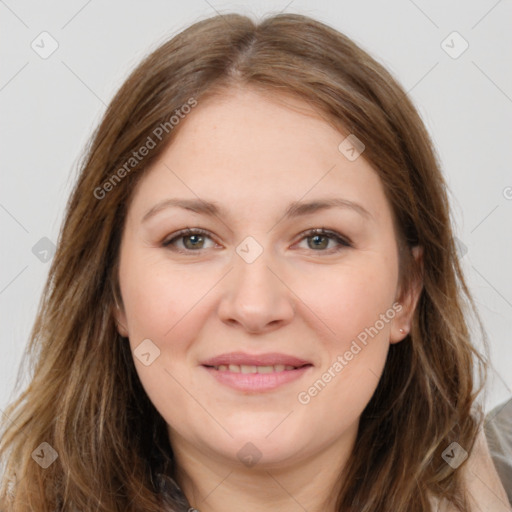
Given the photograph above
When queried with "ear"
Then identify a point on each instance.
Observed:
(120, 319)
(408, 299)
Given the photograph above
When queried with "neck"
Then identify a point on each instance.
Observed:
(217, 484)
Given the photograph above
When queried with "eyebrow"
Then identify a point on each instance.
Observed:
(294, 209)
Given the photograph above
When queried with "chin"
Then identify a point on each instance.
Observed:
(255, 448)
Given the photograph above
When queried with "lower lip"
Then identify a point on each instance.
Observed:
(256, 382)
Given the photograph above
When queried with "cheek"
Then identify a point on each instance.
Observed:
(160, 300)
(164, 306)
(356, 305)
(349, 298)
(337, 398)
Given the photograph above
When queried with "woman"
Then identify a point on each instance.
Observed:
(256, 300)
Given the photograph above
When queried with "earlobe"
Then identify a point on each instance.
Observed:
(398, 333)
(404, 330)
(408, 300)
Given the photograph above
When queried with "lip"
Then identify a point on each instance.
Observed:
(256, 382)
(269, 359)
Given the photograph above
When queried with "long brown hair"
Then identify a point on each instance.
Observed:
(85, 399)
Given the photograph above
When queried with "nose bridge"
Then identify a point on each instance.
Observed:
(254, 277)
(255, 296)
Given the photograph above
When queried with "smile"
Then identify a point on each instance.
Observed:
(256, 379)
(243, 368)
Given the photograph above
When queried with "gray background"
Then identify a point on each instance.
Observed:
(50, 106)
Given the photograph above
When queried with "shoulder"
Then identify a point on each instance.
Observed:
(486, 492)
(482, 480)
(498, 431)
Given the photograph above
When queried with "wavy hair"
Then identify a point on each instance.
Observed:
(84, 397)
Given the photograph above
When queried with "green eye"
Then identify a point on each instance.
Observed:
(320, 238)
(194, 239)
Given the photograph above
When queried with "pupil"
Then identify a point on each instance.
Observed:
(316, 238)
(195, 239)
(190, 237)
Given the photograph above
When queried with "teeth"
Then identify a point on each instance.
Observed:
(244, 368)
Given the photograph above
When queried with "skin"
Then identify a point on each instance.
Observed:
(253, 155)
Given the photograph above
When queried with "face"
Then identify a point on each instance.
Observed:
(252, 327)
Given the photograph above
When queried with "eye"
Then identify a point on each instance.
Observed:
(193, 240)
(318, 239)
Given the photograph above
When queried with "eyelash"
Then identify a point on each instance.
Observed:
(343, 241)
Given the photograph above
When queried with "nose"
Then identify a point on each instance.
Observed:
(255, 297)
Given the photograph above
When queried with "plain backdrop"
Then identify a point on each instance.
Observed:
(453, 58)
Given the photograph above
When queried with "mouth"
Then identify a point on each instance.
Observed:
(256, 373)
(243, 368)
(243, 359)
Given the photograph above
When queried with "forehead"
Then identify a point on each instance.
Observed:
(247, 122)
(247, 148)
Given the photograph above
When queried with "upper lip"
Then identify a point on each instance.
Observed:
(241, 358)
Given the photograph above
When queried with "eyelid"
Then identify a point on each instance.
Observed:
(342, 240)
(185, 232)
